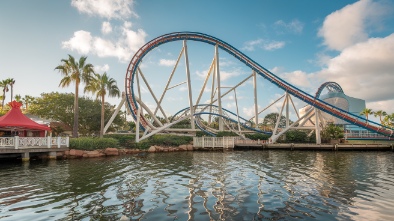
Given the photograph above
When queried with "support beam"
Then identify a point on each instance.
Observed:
(256, 115)
(169, 80)
(115, 113)
(25, 156)
(213, 91)
(189, 85)
(52, 155)
(137, 127)
(218, 87)
(317, 126)
(236, 105)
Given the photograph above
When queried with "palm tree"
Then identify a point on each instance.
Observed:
(101, 85)
(381, 114)
(18, 97)
(11, 83)
(366, 112)
(27, 100)
(4, 84)
(76, 72)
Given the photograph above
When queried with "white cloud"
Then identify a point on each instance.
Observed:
(250, 45)
(165, 62)
(119, 9)
(106, 28)
(81, 42)
(387, 106)
(249, 112)
(298, 78)
(104, 68)
(273, 45)
(364, 70)
(183, 88)
(294, 26)
(224, 75)
(350, 24)
(263, 44)
(127, 43)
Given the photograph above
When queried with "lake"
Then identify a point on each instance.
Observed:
(236, 185)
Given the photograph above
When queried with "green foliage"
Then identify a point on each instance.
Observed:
(201, 134)
(60, 107)
(226, 134)
(296, 136)
(331, 131)
(270, 119)
(124, 140)
(88, 143)
(258, 136)
(128, 141)
(169, 140)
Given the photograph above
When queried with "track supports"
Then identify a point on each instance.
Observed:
(217, 72)
(299, 124)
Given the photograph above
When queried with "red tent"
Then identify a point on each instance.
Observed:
(16, 120)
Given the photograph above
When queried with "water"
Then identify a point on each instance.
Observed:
(250, 185)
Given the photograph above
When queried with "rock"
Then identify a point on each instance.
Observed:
(124, 218)
(76, 153)
(93, 153)
(111, 152)
(152, 149)
(182, 147)
(189, 147)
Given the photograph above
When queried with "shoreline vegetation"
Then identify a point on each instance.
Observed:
(116, 144)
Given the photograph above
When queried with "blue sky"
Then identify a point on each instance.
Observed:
(304, 42)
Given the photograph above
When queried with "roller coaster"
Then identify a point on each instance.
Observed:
(148, 123)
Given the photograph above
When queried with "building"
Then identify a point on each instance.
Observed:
(336, 97)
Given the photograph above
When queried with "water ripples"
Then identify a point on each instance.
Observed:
(250, 185)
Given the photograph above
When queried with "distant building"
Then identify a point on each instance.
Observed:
(337, 98)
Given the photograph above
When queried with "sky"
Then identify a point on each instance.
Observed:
(304, 42)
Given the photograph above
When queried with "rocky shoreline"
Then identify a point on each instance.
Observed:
(73, 153)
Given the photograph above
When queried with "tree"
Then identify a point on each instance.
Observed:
(388, 120)
(101, 85)
(4, 84)
(272, 118)
(381, 114)
(27, 100)
(18, 97)
(331, 131)
(76, 72)
(366, 112)
(11, 82)
(59, 107)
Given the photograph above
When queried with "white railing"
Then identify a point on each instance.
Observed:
(7, 142)
(34, 142)
(213, 142)
(364, 134)
(250, 142)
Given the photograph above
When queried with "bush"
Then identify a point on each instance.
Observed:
(296, 136)
(258, 136)
(331, 131)
(124, 140)
(201, 134)
(226, 134)
(128, 141)
(88, 143)
(169, 140)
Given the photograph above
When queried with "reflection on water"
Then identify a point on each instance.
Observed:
(250, 185)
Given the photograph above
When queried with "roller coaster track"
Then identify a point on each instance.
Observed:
(228, 112)
(195, 36)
